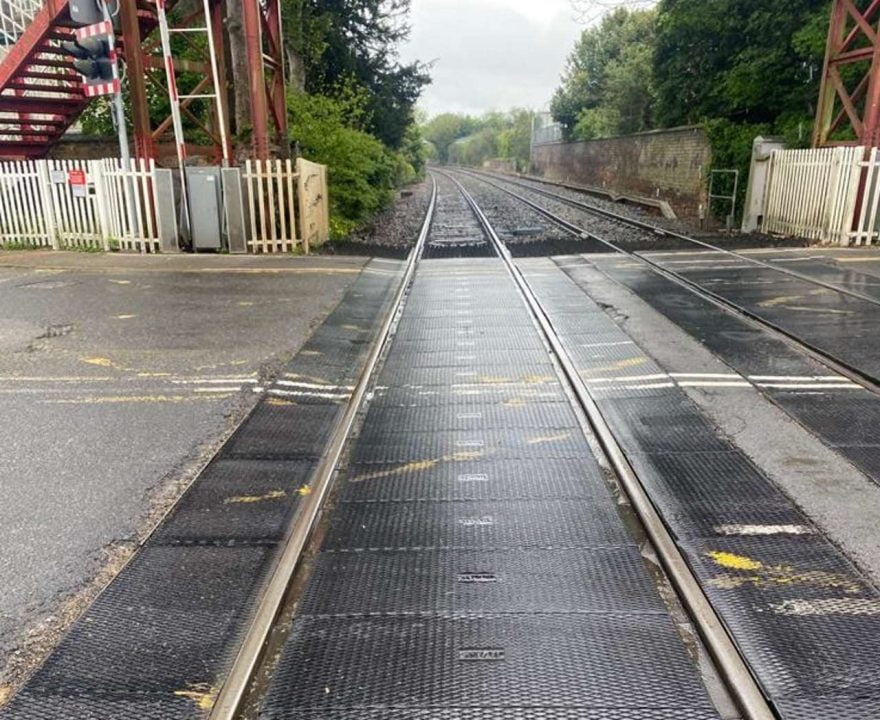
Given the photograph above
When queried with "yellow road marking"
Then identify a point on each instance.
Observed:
(5, 694)
(101, 362)
(124, 317)
(549, 439)
(780, 300)
(140, 399)
(249, 499)
(754, 572)
(202, 694)
(305, 490)
(418, 465)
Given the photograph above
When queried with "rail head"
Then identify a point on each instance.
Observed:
(235, 688)
(733, 668)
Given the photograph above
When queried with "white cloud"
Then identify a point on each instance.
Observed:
(491, 54)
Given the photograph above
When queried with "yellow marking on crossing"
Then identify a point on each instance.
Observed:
(202, 694)
(780, 300)
(121, 282)
(124, 317)
(101, 362)
(249, 499)
(549, 439)
(154, 374)
(305, 490)
(754, 572)
(493, 380)
(734, 562)
(5, 694)
(418, 465)
(515, 402)
(278, 402)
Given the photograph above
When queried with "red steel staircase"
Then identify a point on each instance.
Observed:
(41, 95)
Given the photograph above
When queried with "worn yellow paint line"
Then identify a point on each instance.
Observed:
(101, 362)
(549, 439)
(278, 402)
(619, 365)
(5, 694)
(249, 499)
(124, 317)
(754, 572)
(734, 562)
(305, 490)
(779, 300)
(418, 465)
(202, 694)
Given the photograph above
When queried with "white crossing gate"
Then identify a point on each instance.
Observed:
(26, 218)
(287, 205)
(130, 205)
(87, 204)
(813, 193)
(271, 205)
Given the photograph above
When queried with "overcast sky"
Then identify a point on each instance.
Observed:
(491, 54)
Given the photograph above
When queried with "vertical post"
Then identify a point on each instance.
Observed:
(221, 78)
(259, 107)
(144, 147)
(185, 226)
(46, 204)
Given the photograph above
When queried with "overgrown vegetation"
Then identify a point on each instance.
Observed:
(738, 67)
(467, 140)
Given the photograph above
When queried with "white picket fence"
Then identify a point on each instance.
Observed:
(831, 195)
(287, 205)
(42, 204)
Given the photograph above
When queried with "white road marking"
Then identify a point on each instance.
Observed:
(764, 530)
(828, 606)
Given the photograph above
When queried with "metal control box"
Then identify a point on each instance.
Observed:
(205, 192)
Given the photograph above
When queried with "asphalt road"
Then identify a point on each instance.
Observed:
(119, 375)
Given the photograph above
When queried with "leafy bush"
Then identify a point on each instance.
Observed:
(362, 172)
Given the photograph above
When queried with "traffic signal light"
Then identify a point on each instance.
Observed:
(93, 59)
(96, 62)
(89, 12)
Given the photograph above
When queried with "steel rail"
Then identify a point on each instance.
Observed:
(732, 667)
(235, 688)
(823, 357)
(658, 230)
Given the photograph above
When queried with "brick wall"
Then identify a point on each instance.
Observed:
(669, 164)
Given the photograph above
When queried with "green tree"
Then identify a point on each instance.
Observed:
(607, 87)
(743, 60)
(331, 42)
(443, 130)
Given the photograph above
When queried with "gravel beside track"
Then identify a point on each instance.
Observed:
(394, 231)
(737, 240)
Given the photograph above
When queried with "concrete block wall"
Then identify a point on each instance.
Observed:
(672, 165)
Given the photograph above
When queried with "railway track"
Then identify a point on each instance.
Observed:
(451, 325)
(826, 347)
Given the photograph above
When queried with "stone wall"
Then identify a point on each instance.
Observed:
(671, 165)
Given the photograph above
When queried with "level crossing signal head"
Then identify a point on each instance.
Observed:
(89, 12)
(92, 58)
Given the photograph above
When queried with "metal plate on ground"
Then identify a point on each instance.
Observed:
(538, 416)
(418, 447)
(486, 713)
(405, 357)
(469, 395)
(586, 661)
(241, 501)
(467, 479)
(467, 582)
(466, 374)
(806, 620)
(665, 423)
(480, 525)
(166, 624)
(282, 432)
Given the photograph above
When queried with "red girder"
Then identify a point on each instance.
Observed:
(853, 38)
